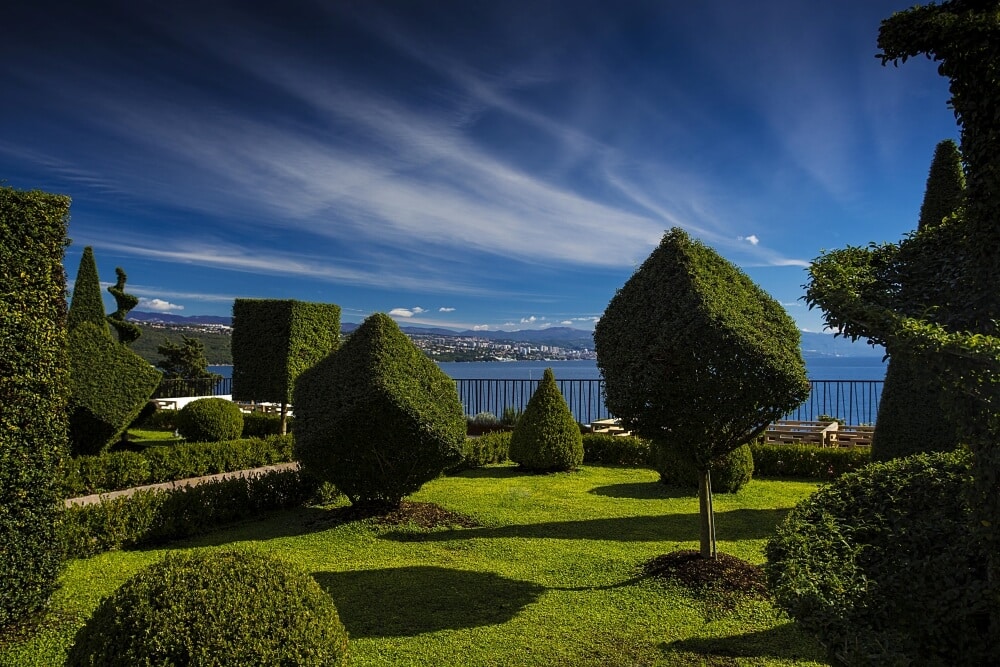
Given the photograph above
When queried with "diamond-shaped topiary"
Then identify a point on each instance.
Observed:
(547, 436)
(377, 418)
(225, 608)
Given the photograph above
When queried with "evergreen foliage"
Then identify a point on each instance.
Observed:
(698, 358)
(210, 420)
(184, 361)
(377, 418)
(33, 396)
(87, 304)
(127, 331)
(547, 437)
(729, 474)
(225, 608)
(274, 341)
(884, 566)
(110, 385)
(911, 417)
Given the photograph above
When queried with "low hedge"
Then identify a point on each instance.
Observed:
(492, 447)
(626, 450)
(113, 471)
(807, 460)
(154, 517)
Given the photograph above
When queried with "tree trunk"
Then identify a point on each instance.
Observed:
(284, 418)
(708, 547)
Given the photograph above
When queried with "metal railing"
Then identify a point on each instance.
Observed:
(854, 401)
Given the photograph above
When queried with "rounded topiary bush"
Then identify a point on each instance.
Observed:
(210, 420)
(883, 567)
(214, 608)
(547, 436)
(729, 474)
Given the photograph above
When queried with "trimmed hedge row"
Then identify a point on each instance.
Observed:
(121, 470)
(626, 450)
(807, 460)
(154, 517)
(255, 424)
(34, 392)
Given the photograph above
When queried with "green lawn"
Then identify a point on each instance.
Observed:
(552, 579)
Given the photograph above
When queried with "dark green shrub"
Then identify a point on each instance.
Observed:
(33, 396)
(626, 450)
(153, 517)
(697, 356)
(493, 447)
(510, 416)
(210, 420)
(158, 419)
(377, 418)
(883, 566)
(274, 341)
(87, 304)
(729, 474)
(547, 436)
(812, 461)
(261, 424)
(225, 608)
(110, 386)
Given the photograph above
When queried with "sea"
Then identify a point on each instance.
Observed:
(817, 368)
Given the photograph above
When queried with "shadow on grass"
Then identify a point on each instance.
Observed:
(267, 526)
(490, 472)
(653, 490)
(742, 524)
(783, 642)
(408, 601)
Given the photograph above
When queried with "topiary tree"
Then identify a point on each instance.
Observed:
(547, 437)
(377, 418)
(911, 417)
(697, 358)
(87, 304)
(184, 362)
(127, 331)
(227, 608)
(904, 585)
(210, 420)
(274, 341)
(729, 474)
(34, 393)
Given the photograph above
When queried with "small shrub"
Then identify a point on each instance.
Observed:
(488, 448)
(547, 436)
(770, 460)
(263, 424)
(221, 608)
(626, 450)
(210, 420)
(729, 474)
(485, 419)
(160, 420)
(884, 567)
(510, 416)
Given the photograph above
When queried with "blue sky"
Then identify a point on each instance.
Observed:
(470, 164)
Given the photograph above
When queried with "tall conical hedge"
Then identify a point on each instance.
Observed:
(911, 417)
(547, 436)
(377, 418)
(87, 304)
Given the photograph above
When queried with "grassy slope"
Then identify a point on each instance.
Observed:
(552, 580)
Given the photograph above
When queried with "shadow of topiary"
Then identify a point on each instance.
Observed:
(408, 601)
(653, 490)
(783, 642)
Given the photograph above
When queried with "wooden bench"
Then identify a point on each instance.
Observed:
(854, 436)
(805, 432)
(608, 427)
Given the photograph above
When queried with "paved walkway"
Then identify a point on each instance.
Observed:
(192, 481)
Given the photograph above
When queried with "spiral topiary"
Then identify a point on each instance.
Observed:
(883, 566)
(217, 608)
(210, 420)
(729, 474)
(547, 436)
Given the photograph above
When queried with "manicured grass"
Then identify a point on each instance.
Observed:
(553, 578)
(157, 436)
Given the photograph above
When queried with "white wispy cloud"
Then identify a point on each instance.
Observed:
(406, 312)
(752, 239)
(158, 305)
(445, 309)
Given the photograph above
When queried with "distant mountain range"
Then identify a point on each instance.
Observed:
(813, 344)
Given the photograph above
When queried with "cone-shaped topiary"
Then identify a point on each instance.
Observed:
(378, 418)
(227, 608)
(547, 436)
(87, 304)
(210, 420)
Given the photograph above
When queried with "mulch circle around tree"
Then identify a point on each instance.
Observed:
(727, 574)
(423, 515)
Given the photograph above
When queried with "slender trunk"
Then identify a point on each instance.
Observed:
(284, 418)
(708, 548)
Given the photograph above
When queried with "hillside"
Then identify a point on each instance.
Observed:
(216, 341)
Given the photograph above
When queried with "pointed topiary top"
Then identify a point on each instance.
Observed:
(547, 436)
(87, 304)
(945, 189)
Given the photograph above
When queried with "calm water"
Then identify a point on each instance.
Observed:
(819, 368)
